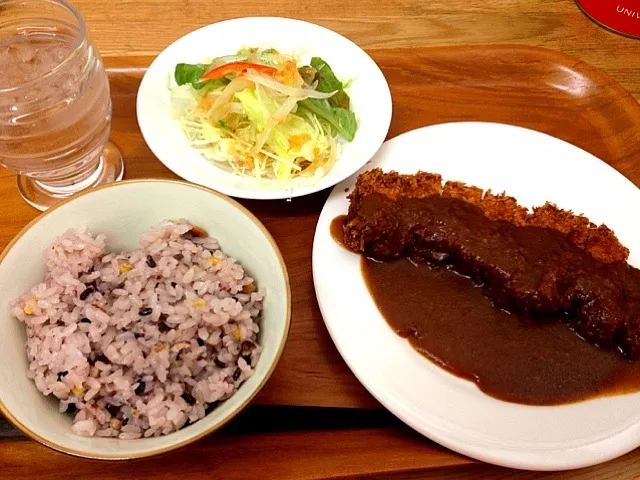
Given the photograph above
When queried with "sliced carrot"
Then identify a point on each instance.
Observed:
(297, 141)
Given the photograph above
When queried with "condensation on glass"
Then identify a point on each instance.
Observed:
(55, 107)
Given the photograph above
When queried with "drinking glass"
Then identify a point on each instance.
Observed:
(55, 107)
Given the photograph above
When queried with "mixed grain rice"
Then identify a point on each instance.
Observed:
(140, 343)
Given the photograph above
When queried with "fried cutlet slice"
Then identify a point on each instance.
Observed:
(465, 192)
(394, 185)
(549, 261)
(599, 241)
(604, 246)
(504, 208)
(576, 227)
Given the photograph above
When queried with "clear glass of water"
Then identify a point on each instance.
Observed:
(55, 107)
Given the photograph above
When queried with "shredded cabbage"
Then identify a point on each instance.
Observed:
(250, 123)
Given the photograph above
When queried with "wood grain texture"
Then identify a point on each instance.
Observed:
(626, 467)
(373, 453)
(532, 87)
(527, 86)
(135, 27)
(281, 455)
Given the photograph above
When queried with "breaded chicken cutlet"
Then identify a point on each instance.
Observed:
(547, 261)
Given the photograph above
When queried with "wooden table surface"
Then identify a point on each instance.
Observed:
(145, 27)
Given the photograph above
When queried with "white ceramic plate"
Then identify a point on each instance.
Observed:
(532, 167)
(369, 91)
(124, 211)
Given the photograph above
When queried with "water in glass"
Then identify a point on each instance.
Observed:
(55, 107)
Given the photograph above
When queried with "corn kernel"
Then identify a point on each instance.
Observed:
(236, 334)
(28, 310)
(214, 261)
(78, 391)
(159, 347)
(199, 303)
(125, 267)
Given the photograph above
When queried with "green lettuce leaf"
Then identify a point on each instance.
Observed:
(186, 73)
(328, 82)
(342, 119)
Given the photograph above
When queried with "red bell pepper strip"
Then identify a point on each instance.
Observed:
(237, 67)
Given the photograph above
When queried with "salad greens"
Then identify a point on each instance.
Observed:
(342, 119)
(186, 73)
(327, 82)
(259, 114)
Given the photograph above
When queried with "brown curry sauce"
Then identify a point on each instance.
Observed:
(512, 358)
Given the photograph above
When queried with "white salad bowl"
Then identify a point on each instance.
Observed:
(368, 89)
(124, 211)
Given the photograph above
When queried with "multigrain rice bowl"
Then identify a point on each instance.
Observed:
(142, 343)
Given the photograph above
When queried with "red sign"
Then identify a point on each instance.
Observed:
(621, 16)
